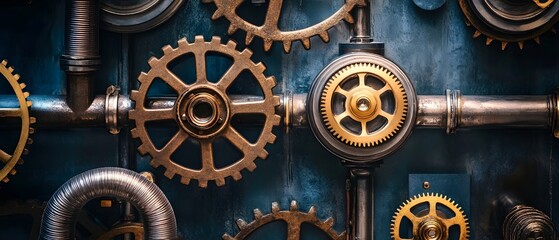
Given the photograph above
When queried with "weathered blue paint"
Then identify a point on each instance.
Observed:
(434, 48)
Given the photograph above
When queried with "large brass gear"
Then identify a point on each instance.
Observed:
(270, 31)
(431, 223)
(510, 21)
(11, 158)
(205, 130)
(363, 104)
(294, 219)
(135, 229)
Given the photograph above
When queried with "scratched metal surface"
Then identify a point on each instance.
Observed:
(434, 48)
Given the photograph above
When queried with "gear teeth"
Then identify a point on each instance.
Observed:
(220, 182)
(275, 207)
(203, 183)
(249, 38)
(257, 214)
(13, 172)
(488, 41)
(25, 151)
(169, 174)
(248, 53)
(5, 63)
(261, 67)
(135, 96)
(167, 49)
(26, 94)
(215, 40)
(185, 180)
(271, 81)
(6, 180)
(504, 45)
(477, 33)
(232, 29)
(143, 149)
(198, 39)
(251, 166)
(32, 120)
(293, 206)
(153, 62)
(287, 46)
(241, 224)
(267, 44)
(324, 36)
(329, 222)
(537, 40)
(237, 176)
(227, 237)
(134, 132)
(31, 130)
(553, 30)
(521, 45)
(182, 43)
(22, 86)
(312, 211)
(271, 138)
(232, 44)
(306, 43)
(29, 103)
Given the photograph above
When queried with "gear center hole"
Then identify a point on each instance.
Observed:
(203, 111)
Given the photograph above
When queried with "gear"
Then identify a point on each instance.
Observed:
(430, 222)
(32, 208)
(510, 21)
(205, 128)
(11, 158)
(137, 229)
(270, 31)
(292, 217)
(364, 105)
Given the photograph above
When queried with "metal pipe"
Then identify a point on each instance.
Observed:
(455, 111)
(361, 29)
(81, 52)
(61, 213)
(363, 205)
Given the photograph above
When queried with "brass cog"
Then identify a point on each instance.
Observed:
(432, 224)
(294, 219)
(207, 128)
(137, 229)
(363, 104)
(22, 112)
(270, 31)
(510, 21)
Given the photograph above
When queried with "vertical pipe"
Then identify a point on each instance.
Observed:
(363, 207)
(81, 52)
(361, 31)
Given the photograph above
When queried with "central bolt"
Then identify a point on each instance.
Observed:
(363, 104)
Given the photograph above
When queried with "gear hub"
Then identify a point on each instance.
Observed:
(362, 107)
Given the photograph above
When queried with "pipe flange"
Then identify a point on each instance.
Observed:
(111, 109)
(385, 107)
(136, 16)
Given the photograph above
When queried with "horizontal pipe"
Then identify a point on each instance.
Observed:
(451, 111)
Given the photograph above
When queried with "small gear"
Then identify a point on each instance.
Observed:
(215, 122)
(356, 105)
(136, 229)
(510, 21)
(432, 221)
(11, 158)
(294, 219)
(270, 31)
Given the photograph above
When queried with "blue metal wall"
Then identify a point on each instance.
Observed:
(434, 48)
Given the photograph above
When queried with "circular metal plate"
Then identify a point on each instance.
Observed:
(131, 16)
(351, 154)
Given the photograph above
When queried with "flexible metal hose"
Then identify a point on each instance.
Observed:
(62, 210)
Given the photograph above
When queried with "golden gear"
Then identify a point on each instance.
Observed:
(363, 104)
(137, 229)
(431, 224)
(205, 129)
(270, 31)
(507, 23)
(294, 219)
(22, 112)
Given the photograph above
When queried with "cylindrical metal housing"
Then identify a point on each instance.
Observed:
(61, 213)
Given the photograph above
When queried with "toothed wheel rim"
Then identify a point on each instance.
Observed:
(9, 160)
(509, 23)
(433, 216)
(382, 139)
(364, 104)
(265, 107)
(136, 229)
(294, 219)
(270, 31)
